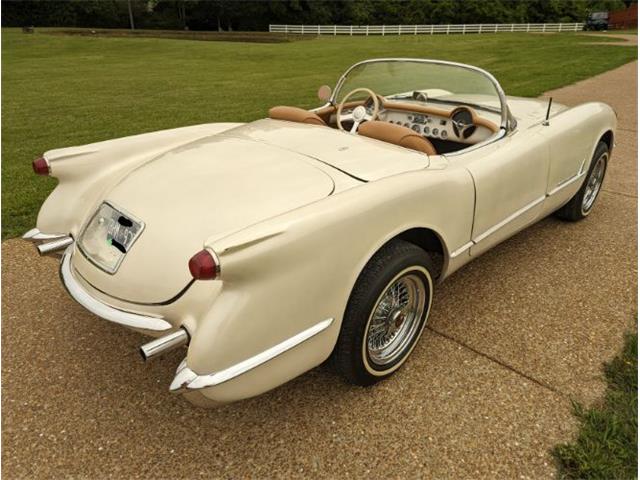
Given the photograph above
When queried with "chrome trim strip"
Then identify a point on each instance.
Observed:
(35, 235)
(462, 249)
(103, 310)
(510, 218)
(186, 379)
(565, 183)
(46, 160)
(582, 165)
(513, 216)
(516, 214)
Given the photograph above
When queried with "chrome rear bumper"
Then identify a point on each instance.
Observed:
(186, 380)
(102, 310)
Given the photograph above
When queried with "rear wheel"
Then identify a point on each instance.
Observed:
(583, 201)
(386, 314)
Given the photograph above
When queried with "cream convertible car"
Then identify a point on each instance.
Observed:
(271, 246)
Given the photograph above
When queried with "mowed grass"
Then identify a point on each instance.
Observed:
(66, 90)
(607, 444)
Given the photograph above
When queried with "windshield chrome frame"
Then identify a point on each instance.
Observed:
(507, 122)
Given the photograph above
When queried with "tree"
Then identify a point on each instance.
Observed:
(258, 14)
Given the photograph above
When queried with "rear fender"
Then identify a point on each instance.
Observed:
(86, 173)
(301, 267)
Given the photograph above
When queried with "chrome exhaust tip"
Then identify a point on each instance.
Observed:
(164, 344)
(55, 246)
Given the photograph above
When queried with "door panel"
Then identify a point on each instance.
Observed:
(510, 185)
(568, 139)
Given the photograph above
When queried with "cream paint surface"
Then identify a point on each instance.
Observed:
(292, 231)
(185, 196)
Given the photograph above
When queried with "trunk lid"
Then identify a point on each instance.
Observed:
(214, 186)
(363, 158)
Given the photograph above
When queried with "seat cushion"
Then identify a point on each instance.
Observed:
(396, 134)
(295, 114)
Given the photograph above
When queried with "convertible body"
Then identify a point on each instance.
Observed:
(246, 241)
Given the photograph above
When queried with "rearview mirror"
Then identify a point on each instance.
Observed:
(324, 93)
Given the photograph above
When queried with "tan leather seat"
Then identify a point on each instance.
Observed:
(295, 114)
(396, 134)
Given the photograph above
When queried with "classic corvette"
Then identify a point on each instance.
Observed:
(271, 246)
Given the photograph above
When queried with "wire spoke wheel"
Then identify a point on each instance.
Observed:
(594, 183)
(386, 313)
(395, 319)
(580, 205)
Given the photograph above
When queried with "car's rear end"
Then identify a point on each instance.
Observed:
(231, 243)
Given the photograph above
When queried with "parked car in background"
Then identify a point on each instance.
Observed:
(268, 247)
(597, 21)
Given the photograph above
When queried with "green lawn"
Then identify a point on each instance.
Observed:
(68, 90)
(607, 444)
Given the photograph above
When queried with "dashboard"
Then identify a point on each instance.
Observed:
(455, 125)
(426, 125)
(460, 125)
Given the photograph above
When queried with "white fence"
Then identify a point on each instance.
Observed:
(423, 29)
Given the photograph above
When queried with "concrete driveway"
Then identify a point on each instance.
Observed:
(513, 338)
(624, 39)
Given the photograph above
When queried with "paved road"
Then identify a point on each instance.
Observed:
(513, 337)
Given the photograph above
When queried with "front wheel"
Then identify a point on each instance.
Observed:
(386, 314)
(583, 201)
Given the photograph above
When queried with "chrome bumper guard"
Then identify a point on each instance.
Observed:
(186, 379)
(36, 236)
(102, 310)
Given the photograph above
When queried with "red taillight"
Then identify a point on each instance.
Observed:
(203, 266)
(40, 166)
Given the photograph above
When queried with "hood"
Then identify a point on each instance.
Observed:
(210, 187)
(531, 111)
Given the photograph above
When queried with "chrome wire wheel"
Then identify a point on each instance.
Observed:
(594, 183)
(396, 319)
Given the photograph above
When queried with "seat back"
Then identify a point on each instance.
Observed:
(295, 114)
(396, 134)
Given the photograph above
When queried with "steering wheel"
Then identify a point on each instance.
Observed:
(359, 114)
(463, 124)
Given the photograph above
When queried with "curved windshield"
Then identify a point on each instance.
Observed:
(422, 82)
